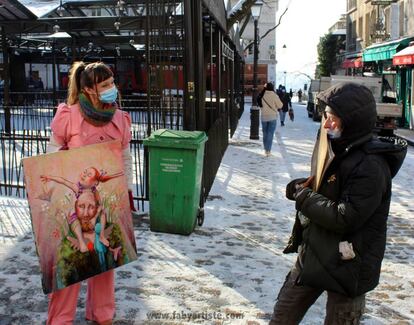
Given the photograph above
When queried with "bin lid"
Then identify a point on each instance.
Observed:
(176, 139)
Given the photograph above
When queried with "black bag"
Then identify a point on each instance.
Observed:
(291, 114)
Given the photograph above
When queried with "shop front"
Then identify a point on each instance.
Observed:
(353, 65)
(378, 60)
(404, 63)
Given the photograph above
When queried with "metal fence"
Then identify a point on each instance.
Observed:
(31, 132)
(191, 78)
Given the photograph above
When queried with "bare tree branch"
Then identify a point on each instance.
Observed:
(302, 73)
(270, 30)
(278, 23)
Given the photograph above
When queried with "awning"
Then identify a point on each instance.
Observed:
(352, 63)
(384, 51)
(358, 63)
(348, 63)
(404, 57)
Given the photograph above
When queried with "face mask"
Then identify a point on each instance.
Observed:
(334, 134)
(109, 96)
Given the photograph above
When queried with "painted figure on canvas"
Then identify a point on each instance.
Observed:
(72, 263)
(88, 181)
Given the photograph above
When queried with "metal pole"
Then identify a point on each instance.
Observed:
(199, 67)
(54, 77)
(254, 110)
(189, 77)
(6, 83)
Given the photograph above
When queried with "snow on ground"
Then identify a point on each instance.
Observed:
(228, 271)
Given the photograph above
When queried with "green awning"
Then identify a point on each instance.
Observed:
(384, 51)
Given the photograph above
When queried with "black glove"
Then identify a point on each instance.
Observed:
(291, 188)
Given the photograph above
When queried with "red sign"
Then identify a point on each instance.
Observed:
(403, 60)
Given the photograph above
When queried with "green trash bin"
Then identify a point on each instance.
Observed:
(175, 171)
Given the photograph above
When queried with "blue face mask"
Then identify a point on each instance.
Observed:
(109, 96)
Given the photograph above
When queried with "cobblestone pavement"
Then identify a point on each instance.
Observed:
(230, 269)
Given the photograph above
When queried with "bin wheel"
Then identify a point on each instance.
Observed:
(200, 217)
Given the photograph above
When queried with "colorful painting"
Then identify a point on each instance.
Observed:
(80, 213)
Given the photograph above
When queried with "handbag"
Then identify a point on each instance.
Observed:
(291, 114)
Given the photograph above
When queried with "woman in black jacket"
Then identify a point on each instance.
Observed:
(340, 229)
(287, 104)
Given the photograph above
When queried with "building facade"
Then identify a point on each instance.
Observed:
(267, 46)
(377, 30)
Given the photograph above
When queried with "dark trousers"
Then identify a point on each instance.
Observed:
(294, 301)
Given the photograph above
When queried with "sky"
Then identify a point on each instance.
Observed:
(301, 27)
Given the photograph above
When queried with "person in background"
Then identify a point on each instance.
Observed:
(270, 104)
(291, 93)
(287, 104)
(342, 210)
(91, 115)
(300, 95)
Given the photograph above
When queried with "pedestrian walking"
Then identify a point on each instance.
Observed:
(91, 115)
(300, 95)
(287, 104)
(269, 112)
(342, 210)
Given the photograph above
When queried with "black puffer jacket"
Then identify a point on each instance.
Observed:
(352, 203)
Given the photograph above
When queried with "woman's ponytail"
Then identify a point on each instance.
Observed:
(74, 82)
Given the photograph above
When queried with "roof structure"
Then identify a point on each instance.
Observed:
(13, 10)
(98, 25)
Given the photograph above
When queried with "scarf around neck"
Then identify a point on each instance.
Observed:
(96, 115)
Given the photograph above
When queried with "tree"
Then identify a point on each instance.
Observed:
(328, 47)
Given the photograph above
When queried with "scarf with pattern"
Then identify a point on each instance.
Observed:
(96, 115)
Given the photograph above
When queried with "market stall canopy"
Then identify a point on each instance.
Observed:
(348, 63)
(384, 51)
(101, 27)
(405, 56)
(352, 63)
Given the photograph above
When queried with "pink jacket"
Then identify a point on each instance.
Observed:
(72, 130)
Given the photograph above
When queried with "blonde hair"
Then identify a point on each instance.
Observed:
(83, 75)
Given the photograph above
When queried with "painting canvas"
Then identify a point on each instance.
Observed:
(80, 213)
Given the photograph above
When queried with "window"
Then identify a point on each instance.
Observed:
(403, 18)
(367, 29)
(351, 4)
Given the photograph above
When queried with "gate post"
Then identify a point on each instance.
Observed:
(6, 87)
(189, 68)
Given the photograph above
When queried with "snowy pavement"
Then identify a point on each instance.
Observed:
(230, 270)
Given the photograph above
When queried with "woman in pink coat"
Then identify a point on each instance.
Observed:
(91, 115)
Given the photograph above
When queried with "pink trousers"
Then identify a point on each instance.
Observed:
(100, 301)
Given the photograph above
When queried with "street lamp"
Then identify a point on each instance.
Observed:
(254, 110)
(284, 72)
